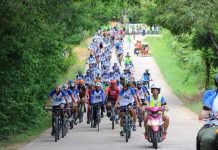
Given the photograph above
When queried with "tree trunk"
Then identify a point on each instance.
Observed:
(207, 73)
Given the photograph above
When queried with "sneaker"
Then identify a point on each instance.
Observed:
(94, 126)
(53, 132)
(121, 133)
(108, 114)
(164, 135)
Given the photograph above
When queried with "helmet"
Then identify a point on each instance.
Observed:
(216, 80)
(65, 86)
(138, 82)
(79, 72)
(98, 84)
(75, 82)
(81, 81)
(113, 82)
(155, 86)
(126, 82)
(126, 69)
(72, 85)
(146, 70)
(70, 81)
(122, 77)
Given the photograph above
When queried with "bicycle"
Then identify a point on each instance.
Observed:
(140, 116)
(97, 120)
(57, 121)
(127, 123)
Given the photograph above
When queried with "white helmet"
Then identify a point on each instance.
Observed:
(65, 86)
(155, 86)
(98, 84)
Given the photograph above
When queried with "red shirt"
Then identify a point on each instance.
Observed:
(113, 93)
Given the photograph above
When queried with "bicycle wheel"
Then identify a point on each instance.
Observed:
(56, 129)
(113, 117)
(130, 127)
(62, 128)
(66, 126)
(127, 127)
(98, 118)
(91, 118)
(71, 122)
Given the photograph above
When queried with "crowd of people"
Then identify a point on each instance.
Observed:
(106, 84)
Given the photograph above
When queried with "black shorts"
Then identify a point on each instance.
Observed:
(123, 108)
(55, 108)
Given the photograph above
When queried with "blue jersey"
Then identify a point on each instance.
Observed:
(57, 99)
(97, 96)
(76, 94)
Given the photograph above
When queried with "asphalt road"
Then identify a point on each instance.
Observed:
(181, 133)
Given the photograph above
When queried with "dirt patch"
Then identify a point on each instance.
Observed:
(82, 51)
(192, 99)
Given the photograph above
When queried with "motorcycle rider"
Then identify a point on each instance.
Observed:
(207, 136)
(155, 99)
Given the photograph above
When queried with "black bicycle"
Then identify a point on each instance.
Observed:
(95, 110)
(56, 121)
(127, 127)
(140, 116)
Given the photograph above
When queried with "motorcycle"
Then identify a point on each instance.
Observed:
(155, 125)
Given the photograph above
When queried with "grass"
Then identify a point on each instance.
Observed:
(16, 141)
(82, 53)
(174, 74)
(13, 142)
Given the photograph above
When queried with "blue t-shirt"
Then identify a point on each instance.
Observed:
(57, 99)
(97, 96)
(209, 97)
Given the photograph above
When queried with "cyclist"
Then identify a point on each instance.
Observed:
(115, 67)
(79, 76)
(142, 91)
(88, 77)
(146, 77)
(104, 76)
(111, 76)
(127, 59)
(97, 96)
(117, 74)
(207, 136)
(155, 99)
(104, 69)
(58, 97)
(126, 98)
(83, 95)
(76, 99)
(126, 73)
(91, 60)
(111, 95)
